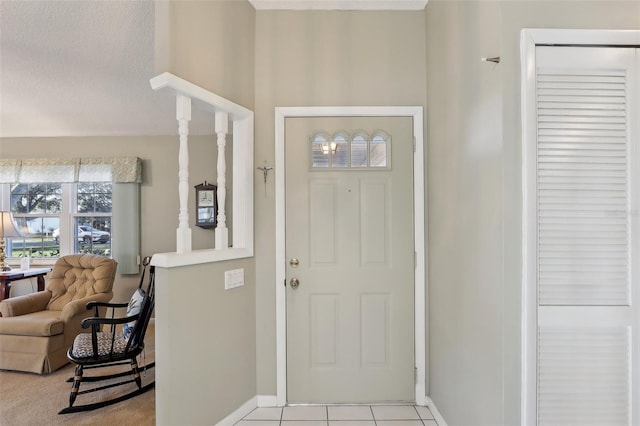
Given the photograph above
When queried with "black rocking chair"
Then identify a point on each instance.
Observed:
(116, 346)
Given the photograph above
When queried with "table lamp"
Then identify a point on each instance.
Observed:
(8, 229)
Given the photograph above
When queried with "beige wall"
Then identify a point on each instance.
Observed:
(206, 336)
(266, 59)
(205, 339)
(211, 44)
(475, 195)
(321, 58)
(464, 142)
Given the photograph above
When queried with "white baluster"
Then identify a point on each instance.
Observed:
(222, 128)
(183, 115)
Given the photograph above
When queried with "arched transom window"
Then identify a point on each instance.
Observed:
(350, 151)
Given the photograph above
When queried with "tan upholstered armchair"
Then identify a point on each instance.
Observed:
(37, 329)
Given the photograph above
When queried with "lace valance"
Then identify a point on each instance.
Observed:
(62, 170)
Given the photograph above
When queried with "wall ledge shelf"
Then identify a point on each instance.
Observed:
(196, 257)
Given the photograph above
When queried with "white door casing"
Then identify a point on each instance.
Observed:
(580, 232)
(416, 113)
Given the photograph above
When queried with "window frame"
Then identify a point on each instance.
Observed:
(321, 137)
(68, 217)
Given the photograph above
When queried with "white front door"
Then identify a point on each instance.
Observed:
(350, 250)
(584, 186)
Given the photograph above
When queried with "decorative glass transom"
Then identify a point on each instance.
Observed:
(344, 151)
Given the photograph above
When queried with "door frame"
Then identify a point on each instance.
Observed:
(419, 206)
(529, 39)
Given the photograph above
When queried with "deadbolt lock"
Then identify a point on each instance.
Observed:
(294, 262)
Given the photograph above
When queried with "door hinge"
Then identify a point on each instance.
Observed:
(415, 374)
(285, 282)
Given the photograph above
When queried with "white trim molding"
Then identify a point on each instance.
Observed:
(224, 110)
(436, 414)
(267, 401)
(420, 284)
(339, 4)
(239, 413)
(529, 39)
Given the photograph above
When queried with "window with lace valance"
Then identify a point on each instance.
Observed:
(74, 205)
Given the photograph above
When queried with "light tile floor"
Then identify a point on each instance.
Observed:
(340, 415)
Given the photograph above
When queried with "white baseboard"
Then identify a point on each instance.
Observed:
(436, 414)
(267, 401)
(237, 415)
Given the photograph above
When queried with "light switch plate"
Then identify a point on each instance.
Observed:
(233, 279)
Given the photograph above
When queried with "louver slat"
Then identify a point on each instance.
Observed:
(583, 376)
(582, 173)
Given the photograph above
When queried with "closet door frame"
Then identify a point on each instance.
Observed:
(530, 38)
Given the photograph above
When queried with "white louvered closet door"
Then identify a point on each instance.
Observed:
(587, 235)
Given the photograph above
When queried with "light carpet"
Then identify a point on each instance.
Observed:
(30, 399)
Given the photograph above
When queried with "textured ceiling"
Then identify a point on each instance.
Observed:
(81, 68)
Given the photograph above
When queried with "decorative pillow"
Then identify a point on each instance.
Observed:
(135, 304)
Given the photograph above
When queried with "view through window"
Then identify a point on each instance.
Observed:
(60, 218)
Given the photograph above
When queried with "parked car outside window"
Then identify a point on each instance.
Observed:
(86, 234)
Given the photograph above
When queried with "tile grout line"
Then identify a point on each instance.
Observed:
(281, 421)
(419, 416)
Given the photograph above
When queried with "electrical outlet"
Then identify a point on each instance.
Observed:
(233, 279)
